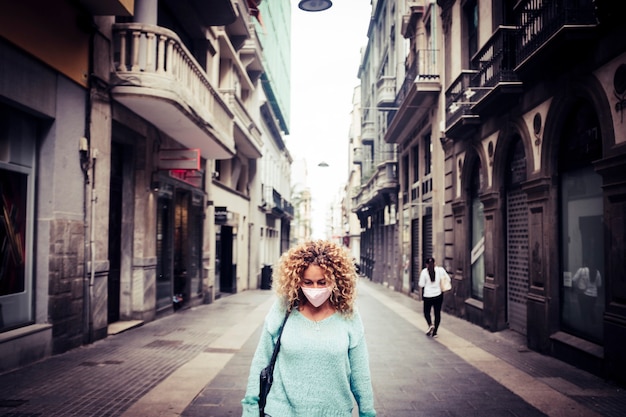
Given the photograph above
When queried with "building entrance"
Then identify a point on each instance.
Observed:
(179, 244)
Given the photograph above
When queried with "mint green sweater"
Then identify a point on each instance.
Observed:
(320, 366)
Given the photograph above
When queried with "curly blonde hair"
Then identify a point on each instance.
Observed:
(337, 264)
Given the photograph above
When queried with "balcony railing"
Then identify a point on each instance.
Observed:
(277, 199)
(458, 98)
(368, 132)
(249, 141)
(288, 208)
(540, 20)
(495, 81)
(421, 83)
(422, 67)
(273, 202)
(383, 181)
(358, 156)
(495, 62)
(153, 67)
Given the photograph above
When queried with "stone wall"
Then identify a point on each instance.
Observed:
(67, 278)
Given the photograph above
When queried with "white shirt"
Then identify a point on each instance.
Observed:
(431, 288)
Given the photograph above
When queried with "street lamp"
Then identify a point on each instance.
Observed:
(314, 5)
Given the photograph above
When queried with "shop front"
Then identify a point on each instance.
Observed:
(179, 236)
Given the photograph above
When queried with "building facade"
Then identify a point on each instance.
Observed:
(511, 154)
(376, 201)
(131, 138)
(351, 226)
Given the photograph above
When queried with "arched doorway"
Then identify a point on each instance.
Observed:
(516, 237)
(476, 232)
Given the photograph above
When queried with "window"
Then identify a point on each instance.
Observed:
(17, 164)
(428, 155)
(470, 11)
(416, 163)
(477, 234)
(582, 226)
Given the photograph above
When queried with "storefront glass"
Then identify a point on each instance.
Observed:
(582, 253)
(582, 225)
(17, 155)
(477, 250)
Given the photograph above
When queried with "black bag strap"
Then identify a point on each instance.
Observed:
(280, 333)
(277, 345)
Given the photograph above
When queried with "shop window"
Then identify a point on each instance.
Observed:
(17, 160)
(477, 234)
(582, 226)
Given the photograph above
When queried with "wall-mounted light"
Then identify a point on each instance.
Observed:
(314, 5)
(155, 184)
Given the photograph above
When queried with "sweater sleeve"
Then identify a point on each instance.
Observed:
(360, 378)
(261, 359)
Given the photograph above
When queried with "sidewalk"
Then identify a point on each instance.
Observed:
(195, 363)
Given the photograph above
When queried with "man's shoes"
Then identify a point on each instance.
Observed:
(435, 335)
(430, 331)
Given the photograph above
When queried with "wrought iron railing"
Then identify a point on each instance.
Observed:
(495, 62)
(457, 97)
(539, 20)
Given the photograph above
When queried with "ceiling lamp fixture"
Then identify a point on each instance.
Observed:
(314, 5)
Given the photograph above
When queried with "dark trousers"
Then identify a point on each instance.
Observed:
(433, 302)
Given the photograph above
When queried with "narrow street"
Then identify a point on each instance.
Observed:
(195, 363)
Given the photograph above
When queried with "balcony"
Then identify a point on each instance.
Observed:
(409, 21)
(495, 86)
(380, 190)
(386, 91)
(460, 120)
(277, 200)
(251, 57)
(368, 132)
(552, 34)
(357, 157)
(156, 77)
(274, 203)
(419, 91)
(246, 133)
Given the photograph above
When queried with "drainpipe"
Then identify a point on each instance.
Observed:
(86, 166)
(92, 242)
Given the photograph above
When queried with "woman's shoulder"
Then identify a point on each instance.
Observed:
(353, 321)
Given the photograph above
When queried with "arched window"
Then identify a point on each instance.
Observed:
(581, 225)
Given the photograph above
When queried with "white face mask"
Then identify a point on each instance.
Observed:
(317, 296)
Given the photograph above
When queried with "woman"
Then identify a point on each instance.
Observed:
(323, 360)
(430, 281)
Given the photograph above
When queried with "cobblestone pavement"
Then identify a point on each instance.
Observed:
(195, 363)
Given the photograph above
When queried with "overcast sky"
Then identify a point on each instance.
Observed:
(326, 53)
